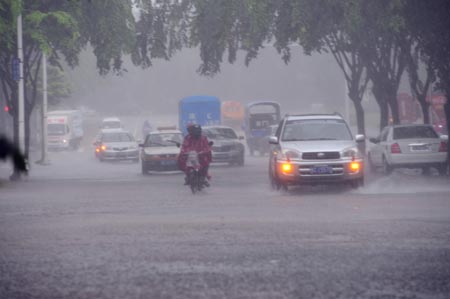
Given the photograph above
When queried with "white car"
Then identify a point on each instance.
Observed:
(408, 146)
(116, 144)
(315, 149)
(159, 152)
(111, 123)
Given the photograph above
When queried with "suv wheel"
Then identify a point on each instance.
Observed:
(241, 160)
(273, 180)
(357, 183)
(387, 169)
(442, 169)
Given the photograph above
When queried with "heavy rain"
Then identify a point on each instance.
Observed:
(224, 149)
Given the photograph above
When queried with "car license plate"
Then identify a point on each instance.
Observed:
(322, 170)
(168, 162)
(422, 147)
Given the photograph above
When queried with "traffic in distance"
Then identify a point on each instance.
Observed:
(300, 149)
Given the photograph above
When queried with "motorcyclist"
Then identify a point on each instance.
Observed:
(195, 141)
(146, 128)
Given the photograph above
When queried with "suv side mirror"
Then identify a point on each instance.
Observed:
(360, 137)
(444, 137)
(273, 140)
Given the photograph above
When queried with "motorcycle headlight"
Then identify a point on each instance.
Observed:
(288, 154)
(351, 152)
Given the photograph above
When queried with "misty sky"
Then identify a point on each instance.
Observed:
(304, 80)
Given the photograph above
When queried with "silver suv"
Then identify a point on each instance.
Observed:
(315, 149)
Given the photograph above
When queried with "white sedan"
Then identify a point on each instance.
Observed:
(159, 152)
(409, 146)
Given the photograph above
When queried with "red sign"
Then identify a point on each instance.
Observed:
(406, 106)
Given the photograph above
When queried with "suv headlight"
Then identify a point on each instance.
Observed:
(289, 154)
(351, 152)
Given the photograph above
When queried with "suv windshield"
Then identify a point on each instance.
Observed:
(414, 132)
(163, 139)
(117, 137)
(220, 133)
(316, 129)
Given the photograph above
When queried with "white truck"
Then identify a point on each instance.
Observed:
(64, 129)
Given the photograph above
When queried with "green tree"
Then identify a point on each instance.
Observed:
(432, 23)
(61, 29)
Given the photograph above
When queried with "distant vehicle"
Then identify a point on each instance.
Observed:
(116, 144)
(111, 123)
(409, 146)
(202, 110)
(159, 152)
(233, 114)
(259, 116)
(315, 149)
(64, 129)
(227, 146)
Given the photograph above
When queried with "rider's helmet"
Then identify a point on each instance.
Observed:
(196, 131)
(190, 128)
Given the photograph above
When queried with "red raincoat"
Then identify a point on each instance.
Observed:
(199, 145)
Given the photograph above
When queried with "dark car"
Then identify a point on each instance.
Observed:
(227, 146)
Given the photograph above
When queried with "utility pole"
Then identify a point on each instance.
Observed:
(43, 159)
(21, 102)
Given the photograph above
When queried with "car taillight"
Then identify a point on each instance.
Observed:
(395, 149)
(443, 147)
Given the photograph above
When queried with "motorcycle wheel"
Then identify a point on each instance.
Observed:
(193, 181)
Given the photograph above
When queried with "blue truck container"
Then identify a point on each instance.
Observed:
(202, 110)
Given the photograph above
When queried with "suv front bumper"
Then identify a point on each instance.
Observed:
(316, 172)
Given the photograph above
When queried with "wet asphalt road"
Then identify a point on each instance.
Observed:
(83, 229)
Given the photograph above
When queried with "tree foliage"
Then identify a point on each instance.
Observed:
(61, 29)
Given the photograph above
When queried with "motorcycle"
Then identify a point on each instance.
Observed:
(195, 179)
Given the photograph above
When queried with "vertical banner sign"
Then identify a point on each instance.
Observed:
(15, 69)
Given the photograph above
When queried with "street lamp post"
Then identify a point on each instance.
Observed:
(21, 102)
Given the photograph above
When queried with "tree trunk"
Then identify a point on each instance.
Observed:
(384, 114)
(360, 121)
(391, 99)
(447, 117)
(425, 109)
